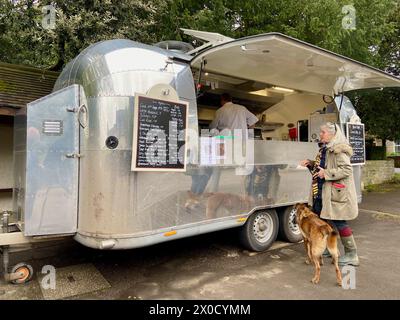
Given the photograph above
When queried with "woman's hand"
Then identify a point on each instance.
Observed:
(321, 173)
(305, 163)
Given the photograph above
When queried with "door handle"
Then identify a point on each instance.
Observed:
(83, 116)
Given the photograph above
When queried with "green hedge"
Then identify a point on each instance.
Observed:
(375, 153)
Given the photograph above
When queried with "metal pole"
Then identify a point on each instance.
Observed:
(202, 65)
(5, 219)
(6, 262)
(341, 102)
(5, 251)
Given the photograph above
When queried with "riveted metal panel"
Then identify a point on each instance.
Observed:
(51, 187)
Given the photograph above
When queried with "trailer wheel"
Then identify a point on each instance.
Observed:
(260, 230)
(288, 227)
(25, 270)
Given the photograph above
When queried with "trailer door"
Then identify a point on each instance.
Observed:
(52, 164)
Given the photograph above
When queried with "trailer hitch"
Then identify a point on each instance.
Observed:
(20, 273)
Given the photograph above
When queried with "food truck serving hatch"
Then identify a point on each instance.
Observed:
(277, 59)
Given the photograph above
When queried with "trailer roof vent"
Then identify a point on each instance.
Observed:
(176, 46)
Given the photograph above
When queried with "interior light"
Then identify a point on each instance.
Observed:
(282, 89)
(262, 92)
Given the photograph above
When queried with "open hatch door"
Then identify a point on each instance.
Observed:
(279, 60)
(52, 164)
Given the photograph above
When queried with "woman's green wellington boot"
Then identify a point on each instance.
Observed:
(350, 256)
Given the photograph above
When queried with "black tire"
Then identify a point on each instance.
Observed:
(259, 240)
(288, 228)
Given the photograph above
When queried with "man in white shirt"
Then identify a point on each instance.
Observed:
(230, 117)
(233, 116)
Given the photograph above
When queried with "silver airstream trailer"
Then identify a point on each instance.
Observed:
(75, 149)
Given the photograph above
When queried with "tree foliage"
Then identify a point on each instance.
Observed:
(79, 23)
(389, 49)
(316, 22)
(380, 111)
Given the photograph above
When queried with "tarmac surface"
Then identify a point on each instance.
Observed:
(215, 266)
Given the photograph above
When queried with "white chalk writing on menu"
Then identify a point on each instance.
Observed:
(159, 125)
(355, 134)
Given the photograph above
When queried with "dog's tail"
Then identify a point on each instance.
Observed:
(327, 230)
(332, 241)
(331, 236)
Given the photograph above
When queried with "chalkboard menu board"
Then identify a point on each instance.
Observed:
(159, 135)
(356, 136)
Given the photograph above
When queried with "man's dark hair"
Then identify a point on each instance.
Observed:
(226, 97)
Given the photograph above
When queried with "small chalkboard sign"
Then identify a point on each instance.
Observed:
(159, 134)
(356, 137)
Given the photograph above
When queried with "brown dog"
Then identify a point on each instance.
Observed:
(215, 200)
(229, 201)
(317, 235)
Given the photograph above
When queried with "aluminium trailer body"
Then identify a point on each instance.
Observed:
(73, 148)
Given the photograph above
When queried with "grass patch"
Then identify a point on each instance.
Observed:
(391, 185)
(384, 187)
(395, 179)
(371, 188)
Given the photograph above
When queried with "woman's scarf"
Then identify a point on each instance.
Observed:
(314, 172)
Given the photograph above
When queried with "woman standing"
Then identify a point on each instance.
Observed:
(333, 194)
